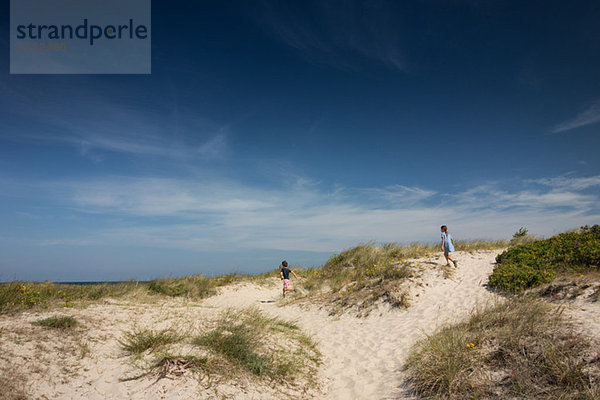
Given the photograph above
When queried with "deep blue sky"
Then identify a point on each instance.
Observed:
(271, 130)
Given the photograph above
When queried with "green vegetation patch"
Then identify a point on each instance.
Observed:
(238, 343)
(15, 296)
(529, 265)
(262, 346)
(138, 341)
(57, 322)
(360, 276)
(519, 349)
(23, 295)
(193, 286)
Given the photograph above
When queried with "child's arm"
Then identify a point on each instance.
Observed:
(281, 274)
(294, 274)
(451, 238)
(443, 241)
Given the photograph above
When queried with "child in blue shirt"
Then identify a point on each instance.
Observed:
(285, 276)
(448, 245)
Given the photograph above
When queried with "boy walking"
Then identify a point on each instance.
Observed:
(285, 276)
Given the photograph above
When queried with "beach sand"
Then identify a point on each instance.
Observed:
(362, 357)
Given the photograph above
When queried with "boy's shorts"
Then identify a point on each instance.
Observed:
(286, 283)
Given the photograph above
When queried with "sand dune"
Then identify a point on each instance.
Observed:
(361, 356)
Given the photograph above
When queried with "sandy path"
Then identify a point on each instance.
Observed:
(362, 357)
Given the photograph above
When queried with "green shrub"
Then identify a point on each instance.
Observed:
(529, 265)
(57, 322)
(517, 277)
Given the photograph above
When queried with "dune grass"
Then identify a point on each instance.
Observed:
(238, 342)
(246, 340)
(360, 277)
(139, 340)
(518, 349)
(367, 274)
(57, 322)
(17, 295)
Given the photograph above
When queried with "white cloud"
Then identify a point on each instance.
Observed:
(589, 116)
(222, 215)
(567, 182)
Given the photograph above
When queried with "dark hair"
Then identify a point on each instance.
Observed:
(445, 228)
(284, 263)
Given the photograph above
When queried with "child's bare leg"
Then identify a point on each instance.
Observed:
(448, 259)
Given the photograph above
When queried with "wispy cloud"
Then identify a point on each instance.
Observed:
(589, 116)
(95, 124)
(148, 144)
(218, 215)
(398, 195)
(336, 33)
(568, 182)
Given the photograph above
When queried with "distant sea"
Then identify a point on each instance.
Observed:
(97, 282)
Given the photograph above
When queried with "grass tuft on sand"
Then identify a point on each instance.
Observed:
(521, 348)
(57, 322)
(262, 346)
(138, 341)
(241, 345)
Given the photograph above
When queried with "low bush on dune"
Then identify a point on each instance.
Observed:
(57, 322)
(521, 349)
(528, 265)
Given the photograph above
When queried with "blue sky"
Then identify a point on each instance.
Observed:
(271, 130)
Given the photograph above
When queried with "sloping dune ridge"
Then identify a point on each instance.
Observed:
(361, 357)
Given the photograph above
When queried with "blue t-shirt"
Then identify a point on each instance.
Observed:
(448, 246)
(286, 273)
